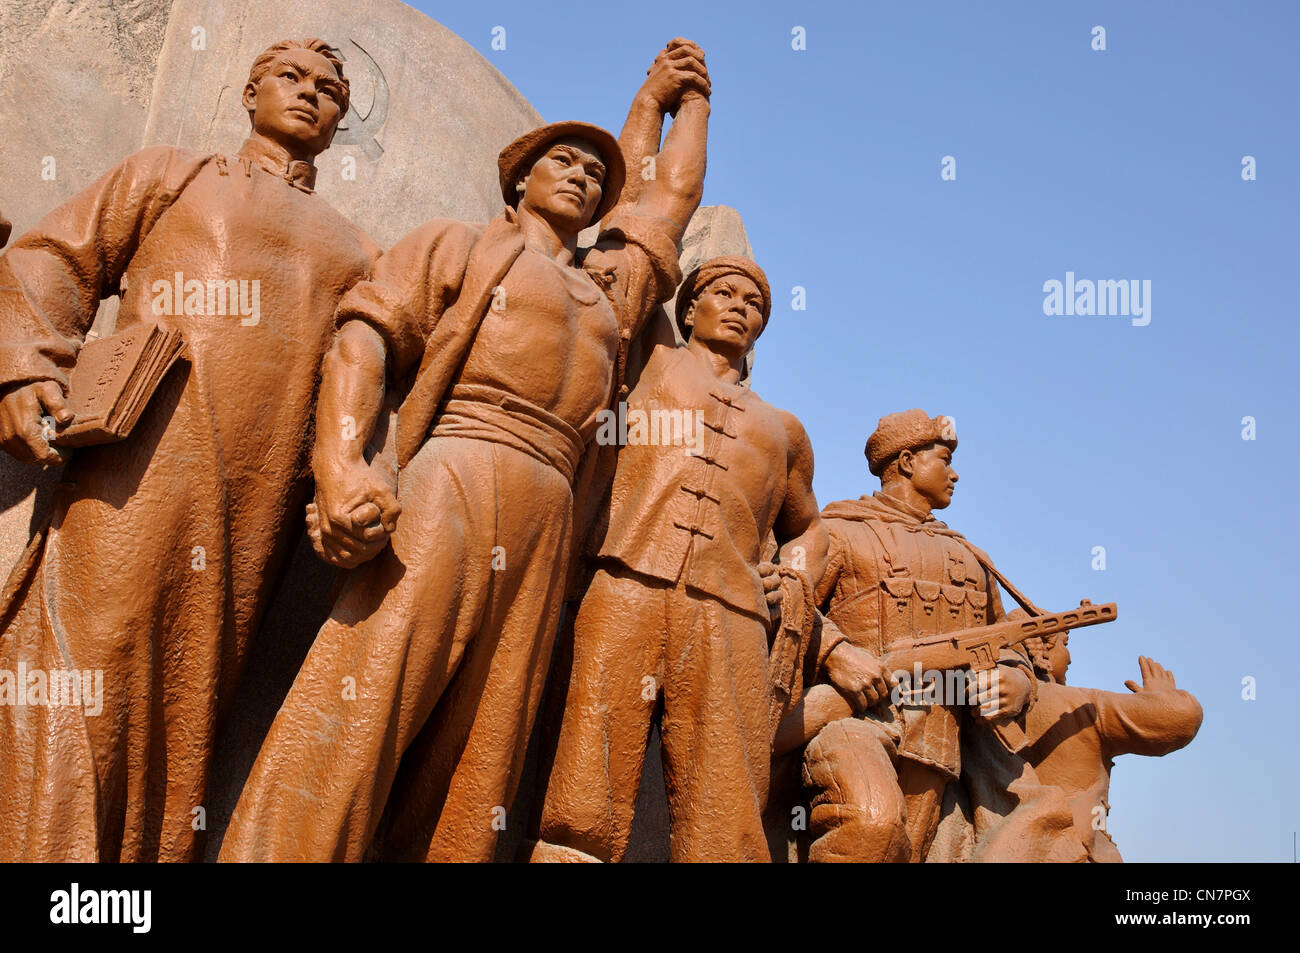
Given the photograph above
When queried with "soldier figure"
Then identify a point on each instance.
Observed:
(896, 574)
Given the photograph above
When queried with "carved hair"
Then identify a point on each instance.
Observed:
(1040, 657)
(262, 65)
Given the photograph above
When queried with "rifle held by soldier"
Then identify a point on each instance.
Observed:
(975, 649)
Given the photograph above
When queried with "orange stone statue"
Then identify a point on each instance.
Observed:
(162, 549)
(506, 345)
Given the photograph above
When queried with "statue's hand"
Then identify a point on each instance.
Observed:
(1155, 677)
(24, 434)
(352, 516)
(1000, 693)
(677, 71)
(860, 677)
(770, 575)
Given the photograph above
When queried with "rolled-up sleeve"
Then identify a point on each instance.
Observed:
(635, 261)
(413, 284)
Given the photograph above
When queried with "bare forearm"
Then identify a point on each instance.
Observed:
(808, 551)
(351, 395)
(642, 132)
(675, 190)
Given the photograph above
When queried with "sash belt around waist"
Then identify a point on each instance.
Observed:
(487, 413)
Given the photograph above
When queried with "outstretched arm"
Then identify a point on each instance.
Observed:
(1159, 717)
(669, 187)
(677, 70)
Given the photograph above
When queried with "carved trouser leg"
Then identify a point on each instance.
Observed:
(922, 788)
(448, 630)
(612, 695)
(859, 812)
(716, 737)
(633, 634)
(1015, 816)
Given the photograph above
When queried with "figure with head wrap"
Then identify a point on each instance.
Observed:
(163, 550)
(676, 622)
(1076, 733)
(504, 343)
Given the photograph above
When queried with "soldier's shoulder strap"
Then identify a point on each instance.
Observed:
(984, 560)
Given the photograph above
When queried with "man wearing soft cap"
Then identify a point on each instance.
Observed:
(504, 344)
(895, 574)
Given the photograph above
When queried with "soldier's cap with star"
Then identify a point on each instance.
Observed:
(711, 271)
(907, 430)
(517, 158)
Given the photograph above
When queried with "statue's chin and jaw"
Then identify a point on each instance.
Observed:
(295, 108)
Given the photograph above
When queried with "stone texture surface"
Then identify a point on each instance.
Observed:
(88, 82)
(91, 81)
(428, 115)
(713, 230)
(77, 77)
(303, 604)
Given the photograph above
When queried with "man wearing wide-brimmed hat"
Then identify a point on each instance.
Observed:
(506, 343)
(674, 626)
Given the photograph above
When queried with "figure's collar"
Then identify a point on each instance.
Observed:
(905, 508)
(299, 174)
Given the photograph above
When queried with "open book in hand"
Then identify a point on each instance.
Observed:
(113, 380)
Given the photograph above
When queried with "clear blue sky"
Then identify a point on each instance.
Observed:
(1075, 431)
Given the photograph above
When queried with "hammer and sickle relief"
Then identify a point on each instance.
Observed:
(368, 108)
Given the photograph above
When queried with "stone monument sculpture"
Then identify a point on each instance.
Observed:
(675, 622)
(505, 437)
(1075, 734)
(90, 82)
(161, 551)
(510, 346)
(896, 576)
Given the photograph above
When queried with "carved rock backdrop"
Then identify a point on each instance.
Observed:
(88, 82)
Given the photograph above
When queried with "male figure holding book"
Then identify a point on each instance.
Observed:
(446, 634)
(163, 548)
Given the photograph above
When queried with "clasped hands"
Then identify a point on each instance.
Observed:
(353, 515)
(676, 74)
